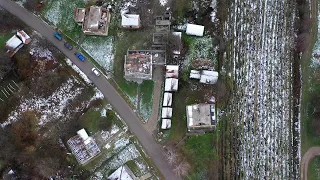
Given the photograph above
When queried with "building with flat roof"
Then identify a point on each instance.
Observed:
(171, 84)
(201, 117)
(83, 147)
(94, 20)
(130, 21)
(138, 65)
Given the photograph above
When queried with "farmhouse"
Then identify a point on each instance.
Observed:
(130, 21)
(16, 42)
(201, 117)
(94, 20)
(83, 147)
(194, 30)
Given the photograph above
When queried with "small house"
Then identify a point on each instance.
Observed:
(130, 21)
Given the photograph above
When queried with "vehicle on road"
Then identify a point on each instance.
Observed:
(57, 35)
(67, 45)
(96, 71)
(80, 56)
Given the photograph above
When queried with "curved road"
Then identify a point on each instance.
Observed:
(153, 149)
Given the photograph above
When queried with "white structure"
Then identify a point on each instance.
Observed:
(201, 117)
(16, 42)
(166, 113)
(83, 134)
(209, 77)
(205, 76)
(172, 71)
(167, 99)
(171, 84)
(166, 124)
(195, 30)
(130, 21)
(122, 173)
(177, 42)
(194, 74)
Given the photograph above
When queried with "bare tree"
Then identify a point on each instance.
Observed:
(182, 168)
(171, 155)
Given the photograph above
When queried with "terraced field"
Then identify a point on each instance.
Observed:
(260, 50)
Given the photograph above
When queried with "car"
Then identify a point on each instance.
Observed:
(57, 35)
(96, 71)
(80, 56)
(67, 45)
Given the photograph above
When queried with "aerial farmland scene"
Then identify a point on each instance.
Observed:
(160, 89)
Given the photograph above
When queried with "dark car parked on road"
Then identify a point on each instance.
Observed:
(67, 45)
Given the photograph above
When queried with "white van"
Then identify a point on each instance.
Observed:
(96, 71)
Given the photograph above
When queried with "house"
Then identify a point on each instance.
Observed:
(172, 71)
(167, 99)
(201, 117)
(122, 173)
(83, 147)
(166, 113)
(130, 21)
(94, 20)
(16, 42)
(166, 124)
(171, 84)
(205, 76)
(138, 65)
(194, 30)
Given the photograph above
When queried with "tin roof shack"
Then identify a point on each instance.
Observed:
(95, 21)
(138, 65)
(130, 21)
(172, 71)
(16, 42)
(194, 30)
(201, 117)
(79, 14)
(83, 147)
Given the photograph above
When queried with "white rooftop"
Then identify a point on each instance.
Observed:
(83, 134)
(24, 37)
(171, 84)
(201, 115)
(195, 74)
(172, 71)
(166, 112)
(166, 124)
(130, 20)
(13, 42)
(195, 30)
(209, 77)
(120, 174)
(167, 99)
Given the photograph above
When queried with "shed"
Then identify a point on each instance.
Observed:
(172, 71)
(195, 30)
(166, 124)
(130, 21)
(24, 37)
(209, 77)
(171, 84)
(194, 74)
(13, 43)
(83, 134)
(166, 112)
(167, 99)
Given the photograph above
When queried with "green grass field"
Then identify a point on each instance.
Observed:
(146, 99)
(314, 169)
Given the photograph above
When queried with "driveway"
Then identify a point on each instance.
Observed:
(153, 149)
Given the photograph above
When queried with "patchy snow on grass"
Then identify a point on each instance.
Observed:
(103, 112)
(39, 51)
(21, 2)
(48, 108)
(53, 15)
(101, 50)
(97, 95)
(163, 2)
(214, 10)
(74, 67)
(121, 142)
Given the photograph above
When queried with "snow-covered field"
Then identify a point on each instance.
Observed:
(101, 50)
(49, 108)
(261, 39)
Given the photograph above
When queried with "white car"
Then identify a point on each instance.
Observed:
(96, 71)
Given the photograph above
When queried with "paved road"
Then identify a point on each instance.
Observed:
(153, 149)
(307, 157)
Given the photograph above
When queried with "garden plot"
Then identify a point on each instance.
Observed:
(261, 39)
(101, 50)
